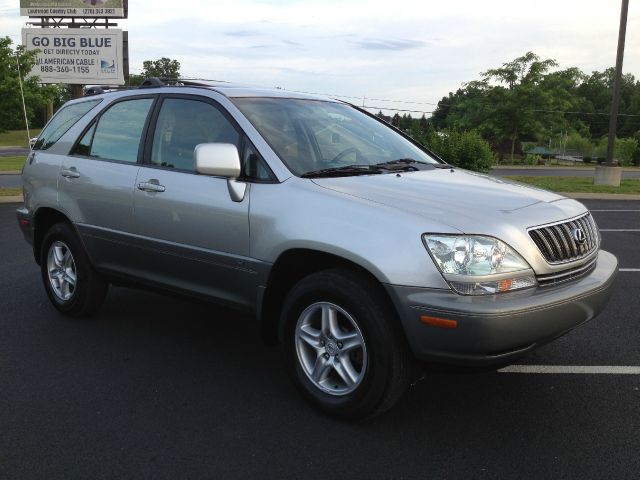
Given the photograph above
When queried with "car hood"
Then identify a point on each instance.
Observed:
(466, 201)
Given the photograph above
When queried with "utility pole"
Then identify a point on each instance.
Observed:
(616, 82)
(611, 173)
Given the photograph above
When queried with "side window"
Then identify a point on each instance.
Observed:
(62, 121)
(182, 124)
(253, 167)
(117, 133)
(84, 145)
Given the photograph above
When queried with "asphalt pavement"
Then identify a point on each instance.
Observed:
(13, 151)
(10, 181)
(162, 387)
(556, 172)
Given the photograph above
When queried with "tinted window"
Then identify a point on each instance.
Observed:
(183, 124)
(309, 135)
(66, 118)
(117, 135)
(253, 167)
(84, 145)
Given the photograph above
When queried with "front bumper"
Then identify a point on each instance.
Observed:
(495, 329)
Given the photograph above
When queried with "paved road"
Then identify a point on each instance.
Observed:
(13, 151)
(555, 172)
(161, 387)
(10, 181)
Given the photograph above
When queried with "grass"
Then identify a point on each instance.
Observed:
(577, 184)
(17, 138)
(10, 192)
(12, 163)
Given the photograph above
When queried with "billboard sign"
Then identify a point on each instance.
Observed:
(74, 8)
(76, 55)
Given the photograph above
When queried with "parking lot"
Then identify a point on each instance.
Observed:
(163, 387)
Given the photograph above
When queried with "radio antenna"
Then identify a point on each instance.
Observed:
(24, 106)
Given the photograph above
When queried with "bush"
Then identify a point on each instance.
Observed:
(586, 159)
(533, 159)
(624, 150)
(462, 149)
(580, 144)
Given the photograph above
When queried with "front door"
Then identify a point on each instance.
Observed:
(196, 238)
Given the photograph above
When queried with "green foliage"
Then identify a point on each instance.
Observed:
(625, 149)
(527, 99)
(463, 149)
(164, 68)
(532, 159)
(36, 96)
(578, 143)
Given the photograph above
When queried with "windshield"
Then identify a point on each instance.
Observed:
(313, 136)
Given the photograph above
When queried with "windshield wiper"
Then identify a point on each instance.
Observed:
(347, 170)
(408, 164)
(405, 164)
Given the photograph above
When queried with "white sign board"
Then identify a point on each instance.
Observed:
(75, 55)
(74, 8)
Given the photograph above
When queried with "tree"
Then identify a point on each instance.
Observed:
(164, 68)
(35, 95)
(514, 106)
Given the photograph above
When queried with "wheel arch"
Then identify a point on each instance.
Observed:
(290, 267)
(43, 219)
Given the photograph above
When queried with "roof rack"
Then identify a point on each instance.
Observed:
(93, 91)
(152, 82)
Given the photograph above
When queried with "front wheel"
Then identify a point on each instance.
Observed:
(342, 344)
(72, 285)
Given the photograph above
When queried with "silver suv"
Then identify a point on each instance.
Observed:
(358, 249)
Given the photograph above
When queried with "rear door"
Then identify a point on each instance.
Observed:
(196, 238)
(98, 178)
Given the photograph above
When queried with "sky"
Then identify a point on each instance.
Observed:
(370, 52)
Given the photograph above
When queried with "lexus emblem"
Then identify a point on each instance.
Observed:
(579, 236)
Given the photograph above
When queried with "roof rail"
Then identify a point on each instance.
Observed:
(93, 91)
(151, 82)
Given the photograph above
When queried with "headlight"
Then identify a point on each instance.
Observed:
(478, 265)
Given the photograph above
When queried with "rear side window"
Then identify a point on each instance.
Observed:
(118, 131)
(66, 118)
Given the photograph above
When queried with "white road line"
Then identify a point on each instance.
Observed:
(579, 369)
(620, 229)
(629, 269)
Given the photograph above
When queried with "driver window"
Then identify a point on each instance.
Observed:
(182, 124)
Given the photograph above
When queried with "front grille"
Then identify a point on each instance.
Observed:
(558, 241)
(566, 275)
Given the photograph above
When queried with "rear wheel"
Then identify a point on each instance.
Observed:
(71, 283)
(342, 344)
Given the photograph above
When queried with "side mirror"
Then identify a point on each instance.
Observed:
(217, 159)
(221, 160)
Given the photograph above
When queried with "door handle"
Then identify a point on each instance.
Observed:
(151, 186)
(70, 173)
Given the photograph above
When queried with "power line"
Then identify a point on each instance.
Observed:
(409, 102)
(395, 109)
(586, 113)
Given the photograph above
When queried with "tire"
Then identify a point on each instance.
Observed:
(71, 283)
(353, 364)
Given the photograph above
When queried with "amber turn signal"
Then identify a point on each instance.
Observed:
(438, 322)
